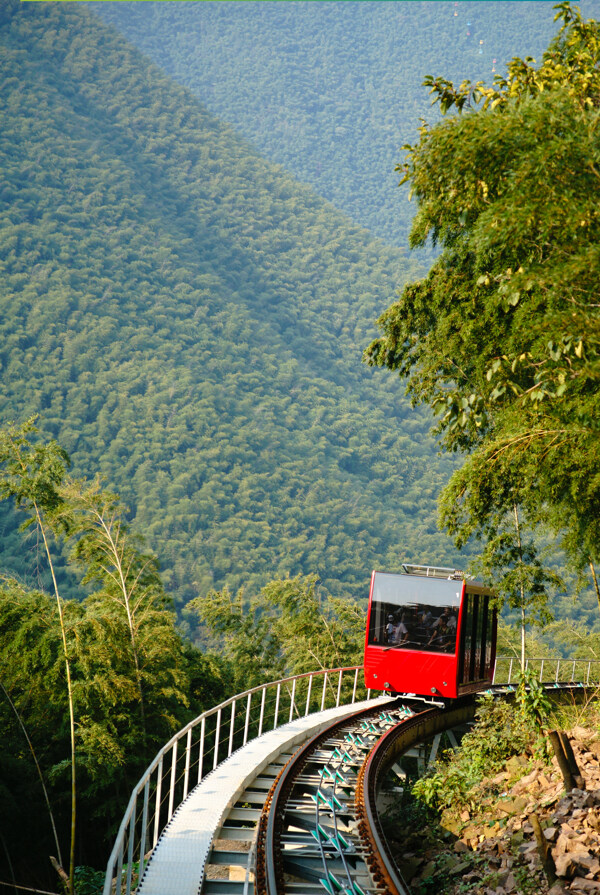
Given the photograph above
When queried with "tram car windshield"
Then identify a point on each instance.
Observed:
(429, 632)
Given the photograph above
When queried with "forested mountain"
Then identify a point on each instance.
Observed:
(332, 91)
(188, 319)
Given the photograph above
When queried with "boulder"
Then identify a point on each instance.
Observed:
(557, 889)
(582, 733)
(571, 864)
(584, 886)
(565, 865)
(461, 847)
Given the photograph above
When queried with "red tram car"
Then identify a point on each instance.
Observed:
(429, 632)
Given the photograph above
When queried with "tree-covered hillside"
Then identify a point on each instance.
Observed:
(188, 319)
(332, 90)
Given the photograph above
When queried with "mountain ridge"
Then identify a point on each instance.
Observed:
(333, 90)
(189, 321)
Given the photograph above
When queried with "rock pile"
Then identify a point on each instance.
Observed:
(495, 851)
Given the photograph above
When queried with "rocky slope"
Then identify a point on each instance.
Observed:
(491, 849)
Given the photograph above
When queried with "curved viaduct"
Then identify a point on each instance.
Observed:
(275, 790)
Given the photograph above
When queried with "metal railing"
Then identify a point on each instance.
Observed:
(580, 671)
(202, 745)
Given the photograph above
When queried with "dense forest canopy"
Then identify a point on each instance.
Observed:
(188, 320)
(332, 91)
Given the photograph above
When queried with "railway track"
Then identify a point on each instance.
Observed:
(310, 822)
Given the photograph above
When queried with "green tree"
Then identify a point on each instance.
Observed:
(243, 634)
(33, 703)
(512, 565)
(129, 675)
(130, 603)
(314, 630)
(31, 474)
(502, 338)
(288, 628)
(118, 316)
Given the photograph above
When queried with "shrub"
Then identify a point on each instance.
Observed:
(498, 733)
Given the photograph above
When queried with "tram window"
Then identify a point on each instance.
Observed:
(419, 615)
(467, 626)
(480, 647)
(489, 638)
(474, 639)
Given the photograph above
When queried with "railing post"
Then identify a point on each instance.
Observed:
(277, 697)
(201, 748)
(231, 728)
(262, 710)
(292, 699)
(354, 687)
(557, 671)
(573, 673)
(119, 884)
(157, 802)
(510, 668)
(310, 680)
(217, 735)
(130, 850)
(542, 671)
(339, 690)
(144, 831)
(188, 754)
(247, 724)
(108, 878)
(324, 691)
(173, 778)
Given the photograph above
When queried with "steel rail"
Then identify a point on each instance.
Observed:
(269, 871)
(269, 868)
(389, 745)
